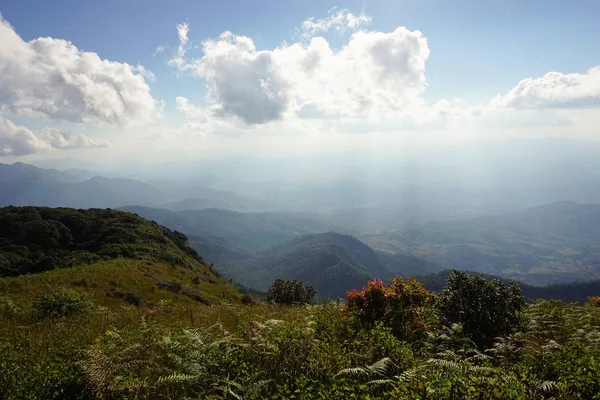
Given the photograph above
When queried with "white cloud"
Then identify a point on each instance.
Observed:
(554, 90)
(17, 140)
(51, 78)
(374, 82)
(179, 59)
(158, 50)
(340, 20)
(375, 72)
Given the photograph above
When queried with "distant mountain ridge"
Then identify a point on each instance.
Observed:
(553, 243)
(27, 185)
(332, 262)
(254, 231)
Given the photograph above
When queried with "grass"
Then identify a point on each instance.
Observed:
(144, 278)
(173, 347)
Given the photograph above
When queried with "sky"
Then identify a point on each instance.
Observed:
(166, 81)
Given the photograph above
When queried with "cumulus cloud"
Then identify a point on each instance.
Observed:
(375, 72)
(17, 140)
(554, 90)
(340, 20)
(52, 78)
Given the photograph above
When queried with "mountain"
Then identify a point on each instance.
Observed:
(554, 243)
(23, 185)
(20, 171)
(191, 196)
(254, 231)
(332, 262)
(26, 185)
(80, 174)
(97, 245)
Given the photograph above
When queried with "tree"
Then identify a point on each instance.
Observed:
(290, 292)
(485, 309)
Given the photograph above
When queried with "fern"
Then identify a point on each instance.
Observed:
(379, 369)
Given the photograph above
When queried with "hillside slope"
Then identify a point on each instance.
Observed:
(254, 231)
(42, 245)
(332, 262)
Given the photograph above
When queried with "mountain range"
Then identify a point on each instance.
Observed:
(333, 263)
(553, 243)
(23, 184)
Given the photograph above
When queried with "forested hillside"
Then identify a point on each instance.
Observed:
(100, 248)
(332, 262)
(35, 239)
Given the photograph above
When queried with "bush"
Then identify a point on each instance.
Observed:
(399, 306)
(290, 292)
(594, 301)
(129, 297)
(485, 309)
(247, 299)
(61, 303)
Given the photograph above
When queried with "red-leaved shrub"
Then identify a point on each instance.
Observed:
(399, 306)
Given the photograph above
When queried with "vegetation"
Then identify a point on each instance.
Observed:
(141, 316)
(568, 292)
(290, 292)
(485, 309)
(36, 239)
(384, 342)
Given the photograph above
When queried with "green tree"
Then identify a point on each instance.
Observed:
(485, 309)
(290, 292)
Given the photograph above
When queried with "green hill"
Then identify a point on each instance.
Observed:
(332, 262)
(108, 254)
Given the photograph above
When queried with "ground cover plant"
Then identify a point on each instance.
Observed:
(397, 341)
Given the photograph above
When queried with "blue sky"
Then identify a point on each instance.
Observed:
(475, 50)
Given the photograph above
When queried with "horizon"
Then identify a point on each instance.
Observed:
(314, 79)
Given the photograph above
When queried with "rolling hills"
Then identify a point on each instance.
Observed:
(254, 231)
(554, 243)
(332, 262)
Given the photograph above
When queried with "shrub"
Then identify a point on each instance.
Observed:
(399, 306)
(129, 297)
(174, 286)
(485, 309)
(61, 303)
(594, 301)
(290, 292)
(247, 299)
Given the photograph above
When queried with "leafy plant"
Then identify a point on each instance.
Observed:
(400, 306)
(485, 309)
(290, 292)
(61, 303)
